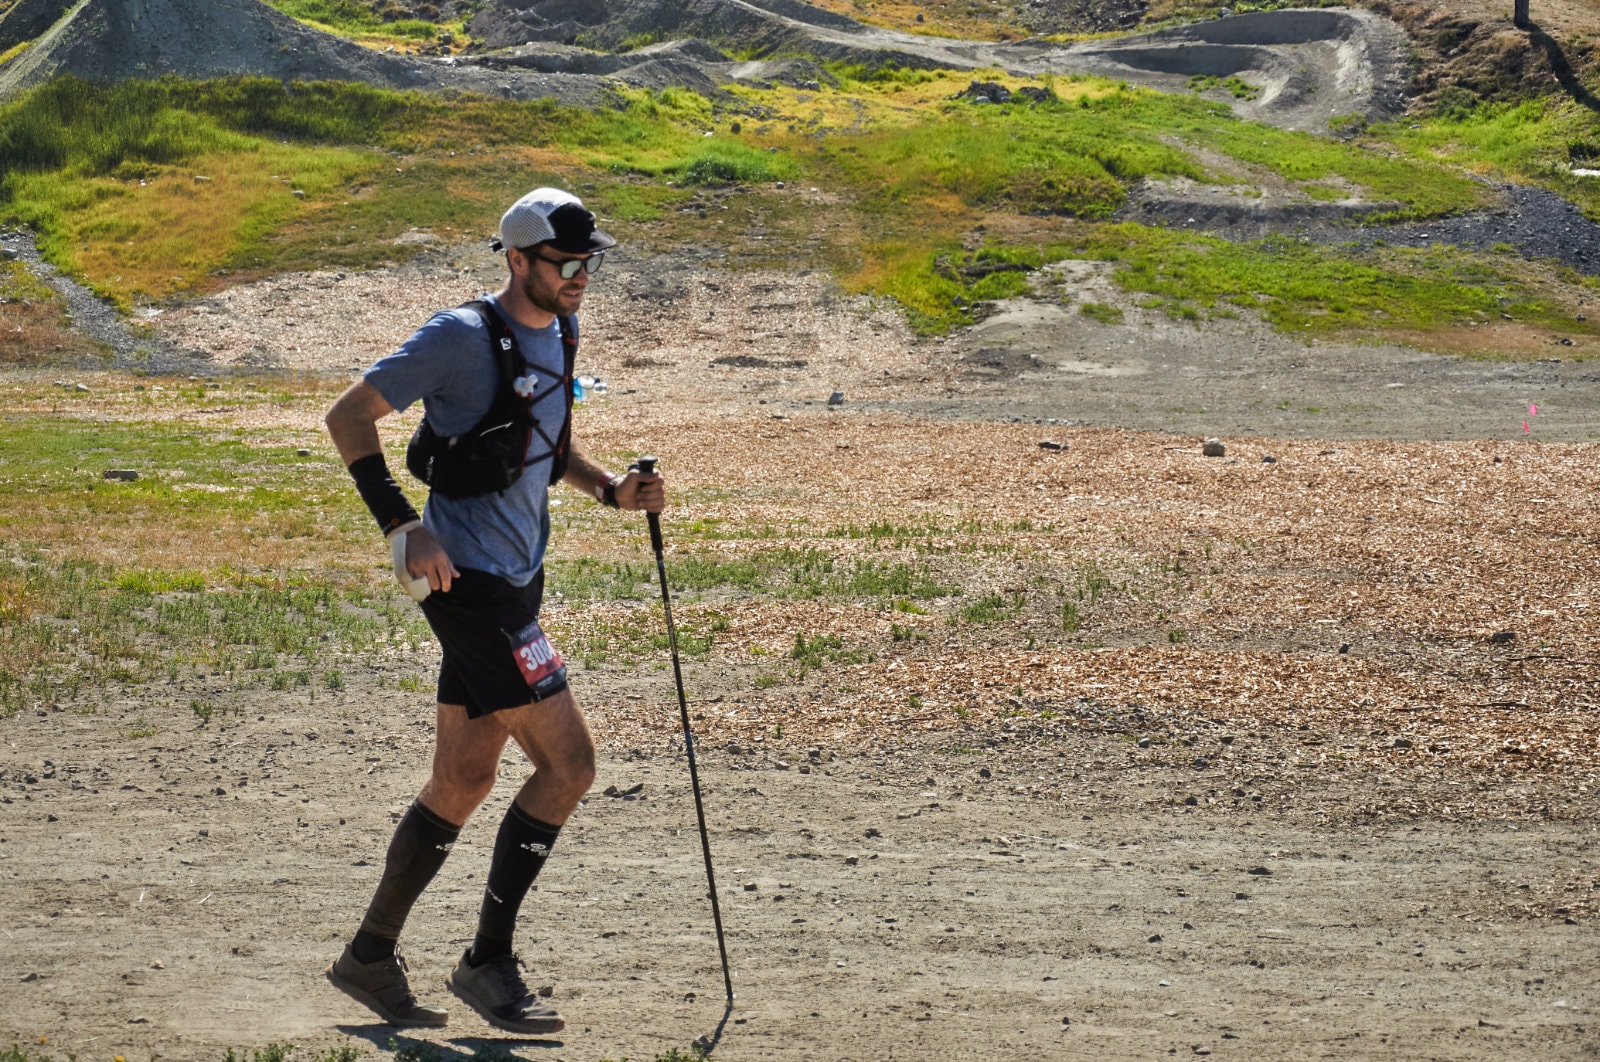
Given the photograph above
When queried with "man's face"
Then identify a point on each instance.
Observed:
(542, 284)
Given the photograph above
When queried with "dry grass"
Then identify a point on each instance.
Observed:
(1208, 594)
(37, 333)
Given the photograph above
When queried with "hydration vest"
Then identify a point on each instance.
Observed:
(493, 454)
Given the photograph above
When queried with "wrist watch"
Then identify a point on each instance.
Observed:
(606, 493)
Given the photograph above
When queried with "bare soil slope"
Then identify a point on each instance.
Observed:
(110, 40)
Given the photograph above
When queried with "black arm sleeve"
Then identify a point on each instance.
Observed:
(384, 498)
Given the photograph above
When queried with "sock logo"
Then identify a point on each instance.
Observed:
(445, 847)
(490, 893)
(535, 849)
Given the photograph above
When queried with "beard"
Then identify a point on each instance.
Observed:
(563, 298)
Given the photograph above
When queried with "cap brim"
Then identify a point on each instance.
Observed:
(596, 241)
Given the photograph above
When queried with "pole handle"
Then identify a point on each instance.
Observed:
(647, 467)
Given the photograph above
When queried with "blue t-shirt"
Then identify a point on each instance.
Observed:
(448, 364)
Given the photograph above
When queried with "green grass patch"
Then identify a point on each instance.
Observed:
(1302, 288)
(185, 475)
(148, 188)
(73, 627)
(352, 18)
(810, 654)
(789, 573)
(1099, 311)
(330, 175)
(1234, 85)
(1538, 141)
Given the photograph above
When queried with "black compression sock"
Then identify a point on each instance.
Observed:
(520, 849)
(421, 843)
(369, 947)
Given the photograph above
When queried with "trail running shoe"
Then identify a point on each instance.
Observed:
(495, 990)
(382, 987)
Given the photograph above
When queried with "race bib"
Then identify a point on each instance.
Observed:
(538, 661)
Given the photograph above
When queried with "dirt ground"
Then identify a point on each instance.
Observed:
(688, 332)
(1243, 887)
(1039, 898)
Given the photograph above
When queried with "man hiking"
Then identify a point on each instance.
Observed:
(495, 378)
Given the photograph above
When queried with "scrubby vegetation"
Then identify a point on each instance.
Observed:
(150, 189)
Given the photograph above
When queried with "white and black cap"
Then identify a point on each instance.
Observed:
(553, 217)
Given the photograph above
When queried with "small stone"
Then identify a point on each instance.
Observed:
(1190, 801)
(1186, 925)
(1164, 984)
(546, 991)
(780, 185)
(82, 389)
(1155, 938)
(1344, 648)
(1213, 448)
(302, 452)
(1268, 459)
(836, 399)
(1201, 762)
(750, 886)
(1502, 637)
(1144, 743)
(873, 831)
(1260, 872)
(1400, 743)
(984, 772)
(298, 194)
(612, 791)
(1241, 896)
(851, 861)
(157, 964)
(126, 475)
(29, 977)
(1050, 444)
(141, 1020)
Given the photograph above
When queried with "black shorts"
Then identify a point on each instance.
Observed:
(484, 624)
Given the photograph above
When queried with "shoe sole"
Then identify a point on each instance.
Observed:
(547, 1025)
(367, 1000)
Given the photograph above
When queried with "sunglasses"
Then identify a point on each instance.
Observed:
(568, 267)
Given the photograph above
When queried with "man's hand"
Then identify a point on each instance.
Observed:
(638, 491)
(426, 559)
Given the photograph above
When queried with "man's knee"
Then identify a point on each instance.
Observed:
(572, 769)
(463, 784)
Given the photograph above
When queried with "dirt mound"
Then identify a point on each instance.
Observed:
(1303, 66)
(112, 40)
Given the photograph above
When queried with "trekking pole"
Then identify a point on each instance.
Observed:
(647, 466)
